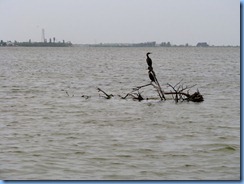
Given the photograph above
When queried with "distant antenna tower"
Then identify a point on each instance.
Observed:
(43, 35)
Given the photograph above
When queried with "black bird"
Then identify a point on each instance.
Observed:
(149, 61)
(150, 68)
(151, 76)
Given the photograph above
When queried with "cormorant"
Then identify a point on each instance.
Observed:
(151, 76)
(149, 61)
(150, 68)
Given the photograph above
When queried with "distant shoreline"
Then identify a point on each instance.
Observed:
(81, 45)
(35, 44)
(69, 44)
(174, 46)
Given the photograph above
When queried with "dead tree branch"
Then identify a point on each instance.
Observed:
(135, 96)
(139, 87)
(107, 96)
(181, 95)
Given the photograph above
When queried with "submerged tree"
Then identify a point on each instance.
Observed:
(179, 92)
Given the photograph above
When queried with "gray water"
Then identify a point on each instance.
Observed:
(48, 131)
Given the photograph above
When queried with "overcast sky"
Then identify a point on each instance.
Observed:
(122, 21)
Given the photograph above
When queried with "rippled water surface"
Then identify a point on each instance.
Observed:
(48, 131)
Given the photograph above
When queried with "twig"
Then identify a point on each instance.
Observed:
(178, 83)
(139, 87)
(107, 95)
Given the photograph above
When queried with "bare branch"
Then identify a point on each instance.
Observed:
(135, 96)
(107, 95)
(139, 87)
(178, 83)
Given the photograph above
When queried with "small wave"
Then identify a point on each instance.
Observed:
(224, 147)
(125, 156)
(80, 152)
(227, 148)
(145, 150)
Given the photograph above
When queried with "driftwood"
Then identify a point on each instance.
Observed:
(179, 92)
(135, 96)
(107, 96)
(180, 95)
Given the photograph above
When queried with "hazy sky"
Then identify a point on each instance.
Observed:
(108, 21)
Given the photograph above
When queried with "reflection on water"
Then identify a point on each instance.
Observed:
(47, 134)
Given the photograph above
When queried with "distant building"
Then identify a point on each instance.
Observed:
(202, 44)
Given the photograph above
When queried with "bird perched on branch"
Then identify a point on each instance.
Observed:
(151, 76)
(149, 61)
(150, 68)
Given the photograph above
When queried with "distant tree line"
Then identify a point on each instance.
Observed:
(164, 44)
(36, 44)
(168, 44)
(2, 43)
